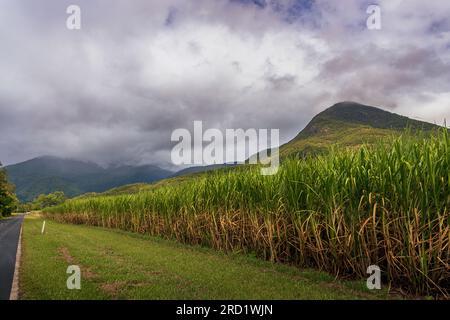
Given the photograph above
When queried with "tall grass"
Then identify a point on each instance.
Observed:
(386, 205)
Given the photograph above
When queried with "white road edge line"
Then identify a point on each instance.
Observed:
(14, 295)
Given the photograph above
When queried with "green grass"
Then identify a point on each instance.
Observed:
(122, 265)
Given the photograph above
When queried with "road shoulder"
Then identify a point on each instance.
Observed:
(15, 285)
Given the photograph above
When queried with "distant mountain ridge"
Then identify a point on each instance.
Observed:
(48, 174)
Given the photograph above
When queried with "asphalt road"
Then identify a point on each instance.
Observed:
(9, 239)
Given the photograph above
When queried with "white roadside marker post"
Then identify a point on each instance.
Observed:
(43, 228)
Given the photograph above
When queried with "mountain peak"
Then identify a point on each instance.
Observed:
(350, 111)
(346, 104)
(353, 113)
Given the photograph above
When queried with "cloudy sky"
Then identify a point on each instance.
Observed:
(114, 91)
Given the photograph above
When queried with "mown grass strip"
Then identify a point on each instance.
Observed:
(122, 265)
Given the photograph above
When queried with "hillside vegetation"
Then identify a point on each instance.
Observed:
(143, 187)
(386, 205)
(349, 125)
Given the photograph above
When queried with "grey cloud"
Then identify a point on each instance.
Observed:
(114, 91)
(281, 82)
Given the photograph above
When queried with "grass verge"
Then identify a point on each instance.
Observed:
(123, 265)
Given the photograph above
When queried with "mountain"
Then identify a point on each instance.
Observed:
(48, 174)
(349, 124)
(359, 114)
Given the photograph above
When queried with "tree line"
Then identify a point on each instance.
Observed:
(8, 199)
(43, 201)
(9, 202)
